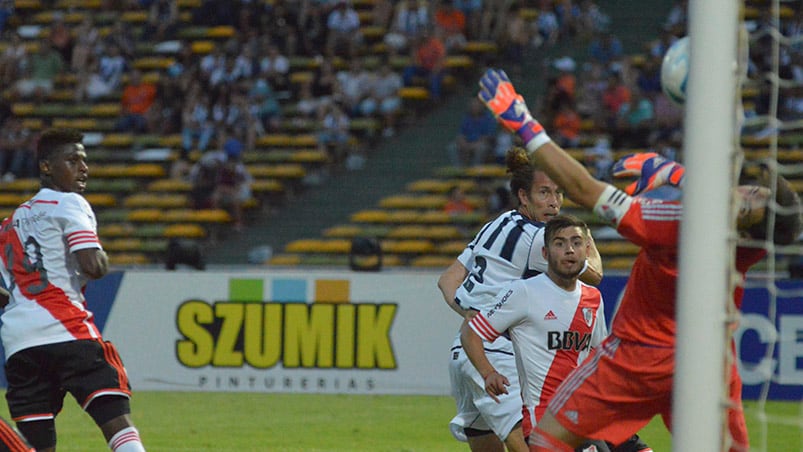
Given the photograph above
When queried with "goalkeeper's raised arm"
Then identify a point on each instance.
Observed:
(499, 95)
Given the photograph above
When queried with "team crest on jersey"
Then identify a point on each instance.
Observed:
(588, 315)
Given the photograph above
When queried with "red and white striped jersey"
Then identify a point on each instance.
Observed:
(39, 269)
(552, 330)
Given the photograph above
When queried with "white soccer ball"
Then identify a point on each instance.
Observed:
(675, 70)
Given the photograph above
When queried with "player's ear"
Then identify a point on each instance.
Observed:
(44, 167)
(544, 252)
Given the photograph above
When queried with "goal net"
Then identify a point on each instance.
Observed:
(765, 137)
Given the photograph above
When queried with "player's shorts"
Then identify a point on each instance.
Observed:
(39, 377)
(622, 381)
(475, 408)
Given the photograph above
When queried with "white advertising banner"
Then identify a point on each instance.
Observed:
(282, 331)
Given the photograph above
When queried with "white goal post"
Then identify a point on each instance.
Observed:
(706, 232)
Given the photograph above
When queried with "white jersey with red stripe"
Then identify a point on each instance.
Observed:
(553, 330)
(41, 272)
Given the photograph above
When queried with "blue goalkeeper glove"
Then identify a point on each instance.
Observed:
(509, 108)
(651, 169)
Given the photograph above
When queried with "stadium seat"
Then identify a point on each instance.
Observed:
(432, 261)
(407, 246)
(185, 230)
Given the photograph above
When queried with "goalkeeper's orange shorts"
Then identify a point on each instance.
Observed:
(619, 389)
(616, 391)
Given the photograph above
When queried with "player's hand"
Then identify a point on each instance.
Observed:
(509, 108)
(495, 385)
(651, 169)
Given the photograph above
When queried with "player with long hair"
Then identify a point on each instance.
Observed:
(506, 249)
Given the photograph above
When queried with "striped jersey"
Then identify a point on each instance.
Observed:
(41, 273)
(505, 249)
(550, 338)
(646, 313)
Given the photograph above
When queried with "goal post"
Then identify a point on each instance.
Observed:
(706, 240)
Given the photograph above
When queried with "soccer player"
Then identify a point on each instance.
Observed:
(505, 249)
(50, 249)
(553, 321)
(629, 378)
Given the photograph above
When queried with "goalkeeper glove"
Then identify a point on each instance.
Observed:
(651, 169)
(498, 94)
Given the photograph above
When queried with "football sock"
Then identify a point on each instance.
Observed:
(126, 440)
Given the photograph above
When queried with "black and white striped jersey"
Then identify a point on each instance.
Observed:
(505, 249)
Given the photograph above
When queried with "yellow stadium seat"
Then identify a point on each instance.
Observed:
(304, 246)
(403, 216)
(110, 109)
(371, 216)
(144, 63)
(222, 31)
(202, 46)
(145, 215)
(123, 244)
(285, 259)
(101, 199)
(480, 47)
(414, 93)
(407, 246)
(451, 247)
(210, 216)
(13, 199)
(413, 202)
(22, 108)
(185, 230)
(23, 185)
(154, 200)
(137, 17)
(170, 185)
(123, 259)
(116, 230)
(117, 140)
(261, 186)
(281, 171)
(432, 261)
(343, 231)
(459, 62)
(491, 171)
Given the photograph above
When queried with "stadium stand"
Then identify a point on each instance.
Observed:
(141, 206)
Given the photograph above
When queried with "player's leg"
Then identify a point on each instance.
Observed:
(515, 440)
(32, 401)
(96, 368)
(483, 440)
(550, 436)
(505, 417)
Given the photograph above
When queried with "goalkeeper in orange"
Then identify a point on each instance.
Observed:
(629, 377)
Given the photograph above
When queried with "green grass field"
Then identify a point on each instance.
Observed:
(171, 421)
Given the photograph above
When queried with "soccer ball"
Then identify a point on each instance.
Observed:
(675, 70)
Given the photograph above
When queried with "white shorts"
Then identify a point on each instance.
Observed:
(475, 408)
